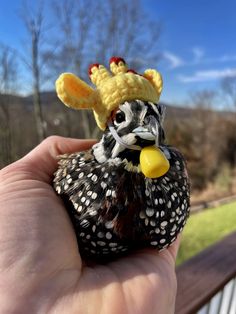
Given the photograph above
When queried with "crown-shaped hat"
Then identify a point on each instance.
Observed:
(113, 88)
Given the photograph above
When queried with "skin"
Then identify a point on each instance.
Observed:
(40, 267)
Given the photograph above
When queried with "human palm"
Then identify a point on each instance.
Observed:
(40, 267)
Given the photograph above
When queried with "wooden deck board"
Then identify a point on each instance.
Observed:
(201, 277)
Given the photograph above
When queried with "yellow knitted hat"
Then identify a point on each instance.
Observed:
(113, 88)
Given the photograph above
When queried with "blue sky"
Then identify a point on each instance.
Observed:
(197, 43)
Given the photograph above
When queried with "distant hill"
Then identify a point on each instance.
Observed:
(50, 97)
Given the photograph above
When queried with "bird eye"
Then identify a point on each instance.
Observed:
(120, 117)
(147, 120)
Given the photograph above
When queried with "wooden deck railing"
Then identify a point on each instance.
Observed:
(201, 277)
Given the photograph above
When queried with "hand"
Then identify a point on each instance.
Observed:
(40, 267)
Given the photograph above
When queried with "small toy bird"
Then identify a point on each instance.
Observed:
(130, 190)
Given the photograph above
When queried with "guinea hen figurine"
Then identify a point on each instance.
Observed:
(130, 190)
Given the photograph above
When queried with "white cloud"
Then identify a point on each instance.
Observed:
(209, 75)
(198, 58)
(226, 58)
(174, 60)
(221, 59)
(198, 54)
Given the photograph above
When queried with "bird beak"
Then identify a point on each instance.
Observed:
(144, 133)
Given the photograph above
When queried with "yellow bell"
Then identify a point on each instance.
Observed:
(153, 162)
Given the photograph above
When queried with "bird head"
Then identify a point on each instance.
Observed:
(134, 125)
(124, 106)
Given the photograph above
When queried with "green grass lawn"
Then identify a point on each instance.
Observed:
(206, 228)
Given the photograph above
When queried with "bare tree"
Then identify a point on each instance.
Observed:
(93, 31)
(206, 144)
(35, 26)
(8, 81)
(228, 85)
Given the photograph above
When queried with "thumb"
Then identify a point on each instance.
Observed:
(43, 160)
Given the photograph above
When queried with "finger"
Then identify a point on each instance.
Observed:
(43, 160)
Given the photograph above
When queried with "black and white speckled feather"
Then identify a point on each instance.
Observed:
(114, 207)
